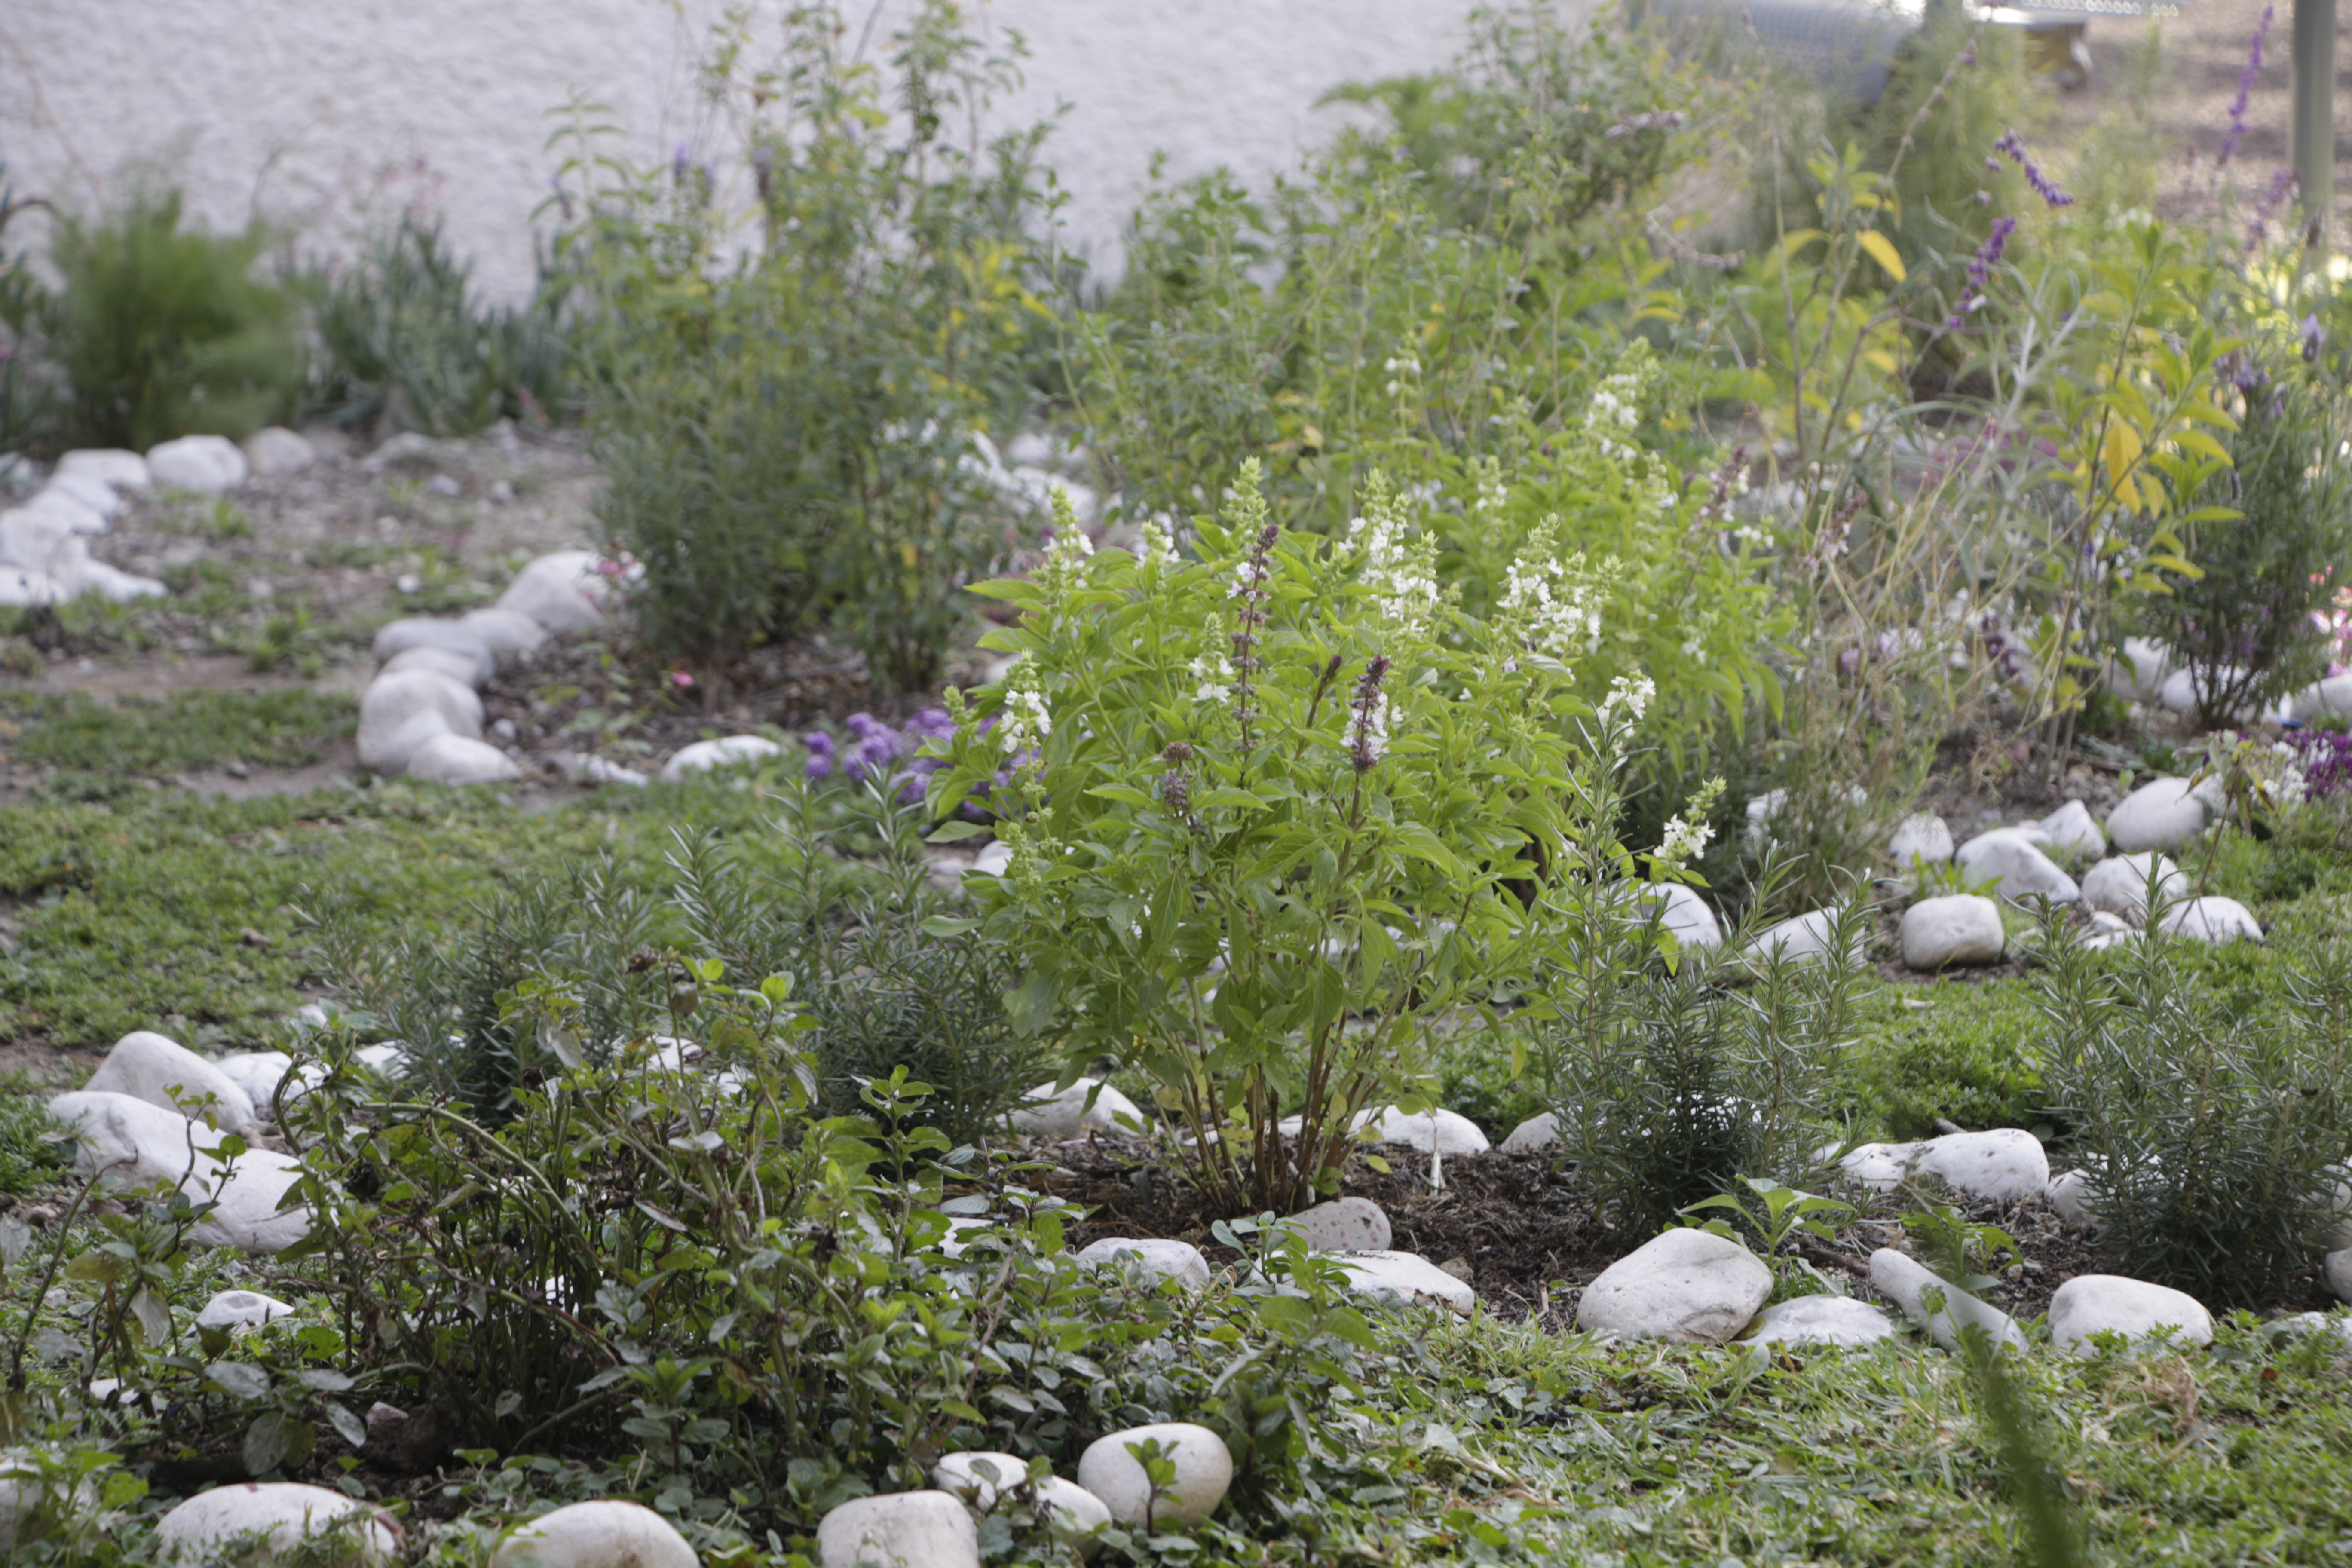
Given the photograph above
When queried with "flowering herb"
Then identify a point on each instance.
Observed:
(2043, 184)
(2325, 760)
(1980, 266)
(2246, 79)
(2283, 180)
(1371, 709)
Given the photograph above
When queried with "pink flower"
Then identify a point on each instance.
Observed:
(680, 680)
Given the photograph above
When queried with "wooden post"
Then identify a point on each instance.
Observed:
(2315, 114)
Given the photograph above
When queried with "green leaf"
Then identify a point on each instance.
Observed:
(276, 1441)
(955, 832)
(239, 1379)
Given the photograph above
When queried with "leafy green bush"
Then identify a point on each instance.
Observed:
(165, 331)
(406, 341)
(1275, 812)
(2211, 1138)
(788, 439)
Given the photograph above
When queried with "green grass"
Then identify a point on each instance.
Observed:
(137, 736)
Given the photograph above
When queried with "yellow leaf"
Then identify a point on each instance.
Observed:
(1797, 239)
(1879, 359)
(1881, 250)
(2121, 451)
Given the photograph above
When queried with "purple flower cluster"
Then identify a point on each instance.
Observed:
(2002, 650)
(2325, 759)
(876, 751)
(1980, 266)
(2282, 182)
(2042, 182)
(2246, 79)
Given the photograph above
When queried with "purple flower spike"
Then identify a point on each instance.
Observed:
(2043, 184)
(1980, 266)
(820, 756)
(2246, 79)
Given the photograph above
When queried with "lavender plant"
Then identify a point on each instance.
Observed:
(1281, 812)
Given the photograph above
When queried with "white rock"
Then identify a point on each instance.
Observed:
(83, 578)
(147, 1065)
(1685, 1285)
(259, 1073)
(236, 1310)
(388, 1060)
(40, 540)
(1905, 1282)
(1961, 928)
(455, 760)
(1407, 1277)
(2021, 870)
(2163, 813)
(2212, 920)
(144, 1144)
(2294, 1327)
(310, 1524)
(21, 589)
(582, 767)
(980, 1478)
(110, 465)
(919, 1530)
(1539, 1131)
(725, 752)
(2331, 696)
(209, 464)
(2119, 885)
(1433, 1132)
(275, 450)
(1047, 1112)
(2006, 1162)
(993, 860)
(2141, 671)
(30, 1507)
(506, 633)
(983, 1480)
(2074, 1196)
(92, 496)
(441, 661)
(424, 631)
(2071, 831)
(2109, 1304)
(562, 591)
(397, 714)
(1178, 1260)
(1922, 836)
(1204, 1472)
(1820, 1321)
(1343, 1225)
(1800, 939)
(2339, 1268)
(608, 1532)
(1687, 916)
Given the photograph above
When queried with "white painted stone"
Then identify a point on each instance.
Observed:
(259, 1074)
(1047, 1112)
(2212, 919)
(30, 1507)
(919, 1530)
(608, 1532)
(980, 1478)
(1686, 915)
(2071, 831)
(92, 495)
(585, 768)
(562, 591)
(398, 713)
(2162, 813)
(2021, 870)
(2119, 885)
(2280, 1330)
(320, 1528)
(144, 1144)
(450, 637)
(440, 661)
(1800, 939)
(1961, 928)
(239, 1310)
(110, 465)
(40, 540)
(1922, 835)
(1838, 1320)
(1178, 1260)
(2140, 673)
(1409, 1278)
(2006, 1162)
(275, 450)
(21, 589)
(2339, 1269)
(993, 860)
(725, 752)
(150, 1067)
(388, 1060)
(2331, 696)
(2109, 1304)
(1537, 1131)
(1906, 1283)
(2075, 1197)
(1343, 1225)
(1685, 1285)
(455, 760)
(1204, 1470)
(82, 579)
(1433, 1132)
(208, 464)
(508, 634)
(984, 1481)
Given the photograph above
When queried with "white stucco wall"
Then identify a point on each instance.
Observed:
(325, 114)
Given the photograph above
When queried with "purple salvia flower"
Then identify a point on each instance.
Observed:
(1980, 266)
(2313, 335)
(1372, 730)
(2043, 184)
(2282, 182)
(678, 163)
(820, 756)
(2246, 79)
